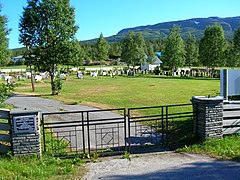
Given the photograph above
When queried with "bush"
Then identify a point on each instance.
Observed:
(5, 91)
(58, 83)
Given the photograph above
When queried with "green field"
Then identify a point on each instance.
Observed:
(123, 91)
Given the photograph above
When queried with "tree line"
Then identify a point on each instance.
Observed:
(212, 50)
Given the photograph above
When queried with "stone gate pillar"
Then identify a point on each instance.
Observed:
(26, 139)
(208, 116)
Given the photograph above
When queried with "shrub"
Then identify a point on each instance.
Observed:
(5, 91)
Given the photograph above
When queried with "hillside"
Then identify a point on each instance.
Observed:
(196, 26)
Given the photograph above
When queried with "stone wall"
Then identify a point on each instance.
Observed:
(26, 138)
(208, 117)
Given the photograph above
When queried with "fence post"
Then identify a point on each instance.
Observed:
(5, 132)
(26, 139)
(129, 130)
(208, 117)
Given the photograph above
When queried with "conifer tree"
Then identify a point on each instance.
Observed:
(174, 54)
(133, 49)
(102, 48)
(212, 46)
(191, 51)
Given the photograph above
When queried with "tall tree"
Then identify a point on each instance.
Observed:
(151, 55)
(230, 56)
(174, 55)
(77, 54)
(102, 48)
(4, 31)
(47, 27)
(236, 46)
(115, 49)
(212, 46)
(191, 51)
(133, 49)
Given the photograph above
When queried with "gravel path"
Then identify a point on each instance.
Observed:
(164, 166)
(22, 102)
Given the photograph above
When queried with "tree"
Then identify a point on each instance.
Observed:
(133, 49)
(77, 54)
(4, 31)
(230, 56)
(212, 46)
(191, 51)
(115, 49)
(151, 55)
(102, 48)
(236, 46)
(29, 61)
(174, 54)
(47, 28)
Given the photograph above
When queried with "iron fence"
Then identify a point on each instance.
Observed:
(164, 126)
(112, 131)
(82, 132)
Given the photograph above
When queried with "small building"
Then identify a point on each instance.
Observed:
(17, 59)
(150, 67)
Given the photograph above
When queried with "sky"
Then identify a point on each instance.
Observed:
(110, 16)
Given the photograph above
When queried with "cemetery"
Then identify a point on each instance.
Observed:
(67, 100)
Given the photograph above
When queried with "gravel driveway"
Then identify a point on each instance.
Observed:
(22, 102)
(164, 166)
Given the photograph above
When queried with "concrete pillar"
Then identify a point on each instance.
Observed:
(26, 139)
(208, 116)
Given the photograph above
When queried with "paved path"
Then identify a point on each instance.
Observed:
(164, 166)
(22, 102)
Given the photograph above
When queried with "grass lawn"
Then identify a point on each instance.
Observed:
(47, 167)
(14, 67)
(142, 90)
(226, 148)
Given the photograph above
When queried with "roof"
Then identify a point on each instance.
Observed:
(157, 60)
(18, 57)
(158, 53)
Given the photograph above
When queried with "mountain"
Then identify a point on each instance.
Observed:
(196, 26)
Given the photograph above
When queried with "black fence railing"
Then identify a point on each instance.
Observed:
(165, 126)
(112, 131)
(81, 132)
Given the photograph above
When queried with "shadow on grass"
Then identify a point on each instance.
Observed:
(31, 95)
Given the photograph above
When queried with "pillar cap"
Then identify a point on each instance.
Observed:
(205, 98)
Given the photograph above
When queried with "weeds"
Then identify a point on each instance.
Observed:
(127, 156)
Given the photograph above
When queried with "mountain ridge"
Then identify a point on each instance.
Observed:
(194, 25)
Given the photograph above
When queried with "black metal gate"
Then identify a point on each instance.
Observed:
(112, 131)
(160, 126)
(82, 132)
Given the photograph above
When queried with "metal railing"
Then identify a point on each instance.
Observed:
(105, 132)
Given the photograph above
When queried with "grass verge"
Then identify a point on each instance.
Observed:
(226, 148)
(46, 167)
